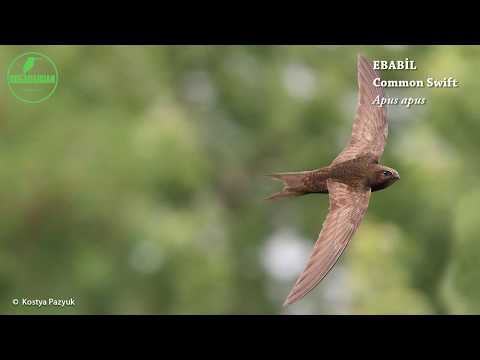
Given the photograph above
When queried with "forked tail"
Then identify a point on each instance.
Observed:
(293, 184)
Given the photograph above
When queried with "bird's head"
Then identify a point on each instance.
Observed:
(384, 177)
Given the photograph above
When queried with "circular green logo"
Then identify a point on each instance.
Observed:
(32, 77)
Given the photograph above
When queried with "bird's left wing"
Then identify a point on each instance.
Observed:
(370, 127)
(348, 205)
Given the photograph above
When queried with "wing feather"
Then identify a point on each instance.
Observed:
(348, 205)
(370, 127)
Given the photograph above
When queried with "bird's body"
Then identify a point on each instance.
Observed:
(349, 181)
(362, 171)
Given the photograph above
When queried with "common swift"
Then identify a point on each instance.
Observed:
(349, 181)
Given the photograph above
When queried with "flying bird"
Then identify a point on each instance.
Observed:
(348, 181)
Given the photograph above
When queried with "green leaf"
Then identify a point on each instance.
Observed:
(29, 64)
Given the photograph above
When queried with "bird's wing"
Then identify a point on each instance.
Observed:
(370, 127)
(348, 205)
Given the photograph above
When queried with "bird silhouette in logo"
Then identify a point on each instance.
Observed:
(29, 64)
(348, 180)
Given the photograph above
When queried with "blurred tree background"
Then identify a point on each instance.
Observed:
(138, 186)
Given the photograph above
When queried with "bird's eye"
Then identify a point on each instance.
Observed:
(387, 173)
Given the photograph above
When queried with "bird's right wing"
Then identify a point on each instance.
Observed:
(370, 127)
(347, 207)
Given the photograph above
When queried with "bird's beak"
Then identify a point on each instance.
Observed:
(397, 176)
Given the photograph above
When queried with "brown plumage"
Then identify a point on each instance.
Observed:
(349, 181)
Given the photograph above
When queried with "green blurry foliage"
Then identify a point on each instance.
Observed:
(138, 186)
